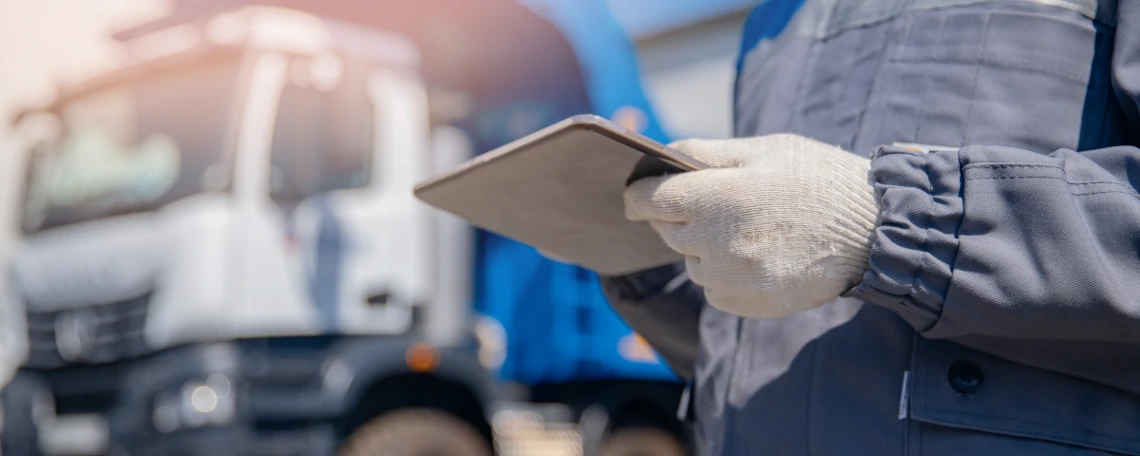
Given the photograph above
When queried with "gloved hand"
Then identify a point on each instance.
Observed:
(782, 224)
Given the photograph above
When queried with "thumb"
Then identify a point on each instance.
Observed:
(717, 153)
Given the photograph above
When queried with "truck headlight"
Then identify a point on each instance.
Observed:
(197, 403)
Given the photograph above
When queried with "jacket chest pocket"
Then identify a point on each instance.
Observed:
(1008, 73)
(962, 400)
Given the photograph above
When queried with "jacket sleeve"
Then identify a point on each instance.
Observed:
(664, 307)
(1005, 242)
(1017, 253)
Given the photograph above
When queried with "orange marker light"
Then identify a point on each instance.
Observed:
(631, 119)
(421, 358)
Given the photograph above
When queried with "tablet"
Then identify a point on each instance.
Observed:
(560, 190)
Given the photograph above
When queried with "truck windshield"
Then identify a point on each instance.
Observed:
(134, 145)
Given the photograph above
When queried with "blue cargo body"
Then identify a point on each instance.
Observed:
(558, 324)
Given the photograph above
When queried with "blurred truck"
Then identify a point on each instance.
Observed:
(221, 255)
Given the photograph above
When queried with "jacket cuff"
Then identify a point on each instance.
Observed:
(920, 201)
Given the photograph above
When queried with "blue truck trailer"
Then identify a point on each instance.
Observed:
(563, 340)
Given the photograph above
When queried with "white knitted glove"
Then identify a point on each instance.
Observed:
(783, 223)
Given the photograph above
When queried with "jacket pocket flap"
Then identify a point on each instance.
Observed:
(957, 387)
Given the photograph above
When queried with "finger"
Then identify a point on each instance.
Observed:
(679, 237)
(717, 153)
(677, 198)
(662, 198)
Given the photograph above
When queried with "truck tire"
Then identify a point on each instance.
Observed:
(642, 441)
(415, 432)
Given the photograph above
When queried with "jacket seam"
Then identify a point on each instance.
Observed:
(1122, 188)
(911, 424)
(1009, 63)
(1017, 177)
(977, 73)
(1035, 423)
(1099, 183)
(1122, 192)
(809, 71)
(829, 32)
(1009, 165)
(920, 111)
(888, 48)
(810, 395)
(728, 420)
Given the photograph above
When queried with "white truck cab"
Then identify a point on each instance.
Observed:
(227, 222)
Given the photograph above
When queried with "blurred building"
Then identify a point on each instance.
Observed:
(688, 58)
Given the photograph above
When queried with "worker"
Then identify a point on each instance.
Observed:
(924, 239)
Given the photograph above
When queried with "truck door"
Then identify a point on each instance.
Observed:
(345, 153)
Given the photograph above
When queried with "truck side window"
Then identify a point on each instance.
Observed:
(322, 139)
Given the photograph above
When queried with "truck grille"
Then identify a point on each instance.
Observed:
(88, 335)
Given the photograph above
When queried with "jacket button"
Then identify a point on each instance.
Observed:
(965, 377)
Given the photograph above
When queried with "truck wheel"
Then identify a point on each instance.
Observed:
(642, 441)
(415, 432)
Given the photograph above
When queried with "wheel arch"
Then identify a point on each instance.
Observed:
(383, 380)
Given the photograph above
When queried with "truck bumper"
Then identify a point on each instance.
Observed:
(186, 401)
(274, 396)
(241, 440)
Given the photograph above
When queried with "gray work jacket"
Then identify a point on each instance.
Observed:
(1000, 310)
